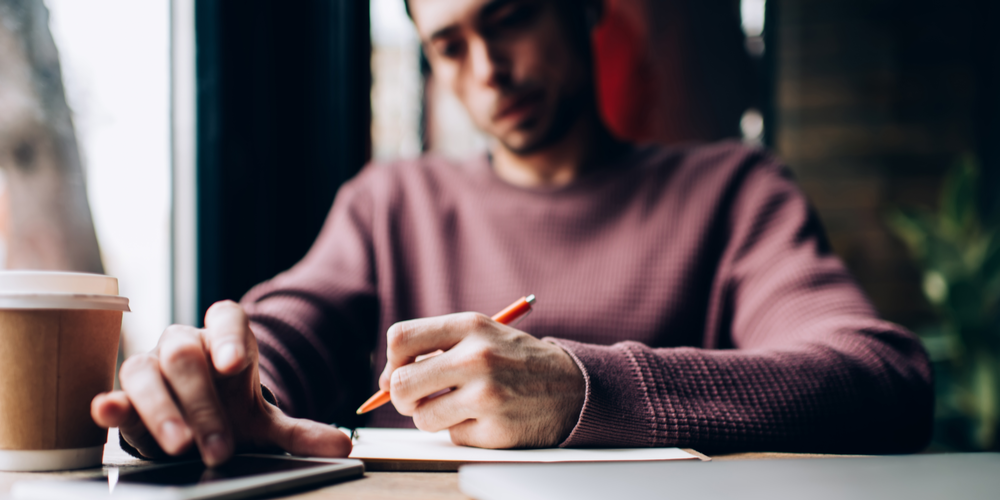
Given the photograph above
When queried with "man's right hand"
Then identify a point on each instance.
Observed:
(200, 387)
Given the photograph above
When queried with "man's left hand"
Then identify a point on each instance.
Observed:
(508, 389)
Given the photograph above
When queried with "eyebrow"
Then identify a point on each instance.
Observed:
(443, 32)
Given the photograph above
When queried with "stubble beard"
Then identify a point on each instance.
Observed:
(568, 112)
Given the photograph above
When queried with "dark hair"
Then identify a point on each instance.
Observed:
(592, 10)
(581, 21)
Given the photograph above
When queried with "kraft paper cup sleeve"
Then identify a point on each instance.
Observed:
(58, 348)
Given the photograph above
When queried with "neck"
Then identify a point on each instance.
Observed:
(587, 146)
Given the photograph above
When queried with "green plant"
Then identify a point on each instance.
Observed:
(958, 253)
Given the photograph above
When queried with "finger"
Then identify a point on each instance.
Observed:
(184, 364)
(466, 433)
(110, 409)
(412, 383)
(408, 339)
(228, 335)
(113, 409)
(144, 385)
(444, 411)
(307, 438)
(481, 434)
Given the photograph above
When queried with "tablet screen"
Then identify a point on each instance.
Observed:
(192, 473)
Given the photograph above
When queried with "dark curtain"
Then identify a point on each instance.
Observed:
(987, 54)
(283, 120)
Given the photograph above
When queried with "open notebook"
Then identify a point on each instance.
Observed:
(414, 450)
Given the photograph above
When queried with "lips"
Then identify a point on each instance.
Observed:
(519, 106)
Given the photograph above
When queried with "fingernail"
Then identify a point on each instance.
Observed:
(226, 356)
(172, 435)
(214, 449)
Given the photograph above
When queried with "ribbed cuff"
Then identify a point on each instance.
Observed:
(270, 378)
(616, 411)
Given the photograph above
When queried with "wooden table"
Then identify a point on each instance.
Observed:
(374, 485)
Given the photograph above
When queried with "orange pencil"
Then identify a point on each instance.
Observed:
(509, 315)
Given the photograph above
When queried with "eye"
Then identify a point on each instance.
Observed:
(449, 48)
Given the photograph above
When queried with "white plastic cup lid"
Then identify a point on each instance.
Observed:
(59, 290)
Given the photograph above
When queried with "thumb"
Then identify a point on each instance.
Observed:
(308, 438)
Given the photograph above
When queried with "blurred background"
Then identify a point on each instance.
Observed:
(192, 148)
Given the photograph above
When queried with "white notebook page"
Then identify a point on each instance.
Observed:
(412, 444)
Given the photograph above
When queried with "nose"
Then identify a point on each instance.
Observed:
(488, 66)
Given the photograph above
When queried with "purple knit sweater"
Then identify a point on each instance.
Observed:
(693, 286)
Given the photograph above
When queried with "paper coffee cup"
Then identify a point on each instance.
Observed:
(58, 347)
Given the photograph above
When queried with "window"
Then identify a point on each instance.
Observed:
(115, 65)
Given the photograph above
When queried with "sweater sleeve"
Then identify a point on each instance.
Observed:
(801, 361)
(315, 323)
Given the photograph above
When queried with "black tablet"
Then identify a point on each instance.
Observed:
(242, 476)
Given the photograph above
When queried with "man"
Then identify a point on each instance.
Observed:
(686, 296)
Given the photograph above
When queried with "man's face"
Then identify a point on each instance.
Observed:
(513, 63)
